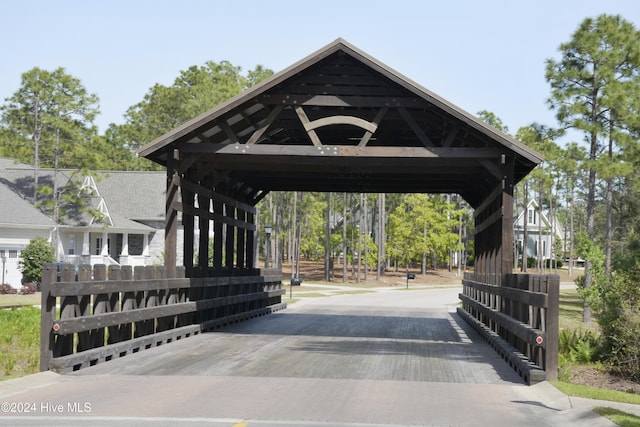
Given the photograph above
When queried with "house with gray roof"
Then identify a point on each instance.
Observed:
(109, 217)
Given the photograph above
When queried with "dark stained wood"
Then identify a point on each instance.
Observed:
(158, 306)
(506, 227)
(47, 316)
(171, 218)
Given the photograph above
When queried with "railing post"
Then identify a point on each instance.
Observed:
(552, 327)
(47, 316)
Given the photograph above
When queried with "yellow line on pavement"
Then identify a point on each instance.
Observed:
(240, 425)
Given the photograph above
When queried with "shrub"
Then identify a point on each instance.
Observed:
(37, 253)
(579, 346)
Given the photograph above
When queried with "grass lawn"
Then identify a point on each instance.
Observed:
(19, 342)
(571, 306)
(15, 299)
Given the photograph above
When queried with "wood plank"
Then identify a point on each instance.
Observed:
(69, 363)
(313, 136)
(415, 128)
(298, 151)
(92, 288)
(341, 120)
(206, 214)
(211, 194)
(376, 120)
(517, 328)
(264, 125)
(334, 100)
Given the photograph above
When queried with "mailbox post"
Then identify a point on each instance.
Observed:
(410, 276)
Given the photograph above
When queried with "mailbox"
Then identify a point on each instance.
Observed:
(296, 281)
(411, 276)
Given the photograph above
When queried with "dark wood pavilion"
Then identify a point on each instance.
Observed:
(338, 120)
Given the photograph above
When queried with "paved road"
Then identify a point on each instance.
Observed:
(389, 358)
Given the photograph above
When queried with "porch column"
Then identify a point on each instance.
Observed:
(145, 244)
(86, 244)
(125, 244)
(105, 244)
(124, 253)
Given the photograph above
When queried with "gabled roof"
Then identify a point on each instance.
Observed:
(543, 220)
(131, 198)
(20, 213)
(382, 131)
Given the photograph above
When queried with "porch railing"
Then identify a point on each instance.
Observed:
(519, 320)
(100, 314)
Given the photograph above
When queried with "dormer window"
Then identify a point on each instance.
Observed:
(532, 217)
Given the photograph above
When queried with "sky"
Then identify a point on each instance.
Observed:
(479, 55)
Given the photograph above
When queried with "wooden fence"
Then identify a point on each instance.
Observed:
(92, 316)
(519, 319)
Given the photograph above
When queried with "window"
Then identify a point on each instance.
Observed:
(13, 253)
(532, 216)
(99, 246)
(72, 245)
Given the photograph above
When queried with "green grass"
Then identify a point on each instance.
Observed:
(571, 307)
(596, 393)
(618, 417)
(19, 342)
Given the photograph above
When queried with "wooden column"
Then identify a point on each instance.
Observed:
(241, 240)
(506, 246)
(203, 222)
(188, 220)
(230, 236)
(218, 208)
(171, 216)
(251, 242)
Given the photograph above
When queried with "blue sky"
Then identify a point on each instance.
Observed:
(477, 54)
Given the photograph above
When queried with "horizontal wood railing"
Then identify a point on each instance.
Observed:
(91, 316)
(519, 319)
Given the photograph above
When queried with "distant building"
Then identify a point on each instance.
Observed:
(539, 233)
(121, 219)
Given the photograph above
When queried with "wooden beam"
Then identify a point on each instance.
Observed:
(376, 120)
(305, 122)
(341, 120)
(204, 213)
(415, 128)
(344, 101)
(344, 151)
(264, 125)
(195, 188)
(492, 168)
(228, 131)
(451, 136)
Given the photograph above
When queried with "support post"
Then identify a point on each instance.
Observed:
(47, 316)
(506, 246)
(552, 327)
(188, 221)
(171, 218)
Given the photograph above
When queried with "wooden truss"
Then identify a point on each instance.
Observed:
(337, 121)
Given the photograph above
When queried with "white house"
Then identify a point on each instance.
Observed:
(539, 232)
(121, 220)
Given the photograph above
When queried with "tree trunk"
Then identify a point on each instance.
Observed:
(344, 237)
(327, 242)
